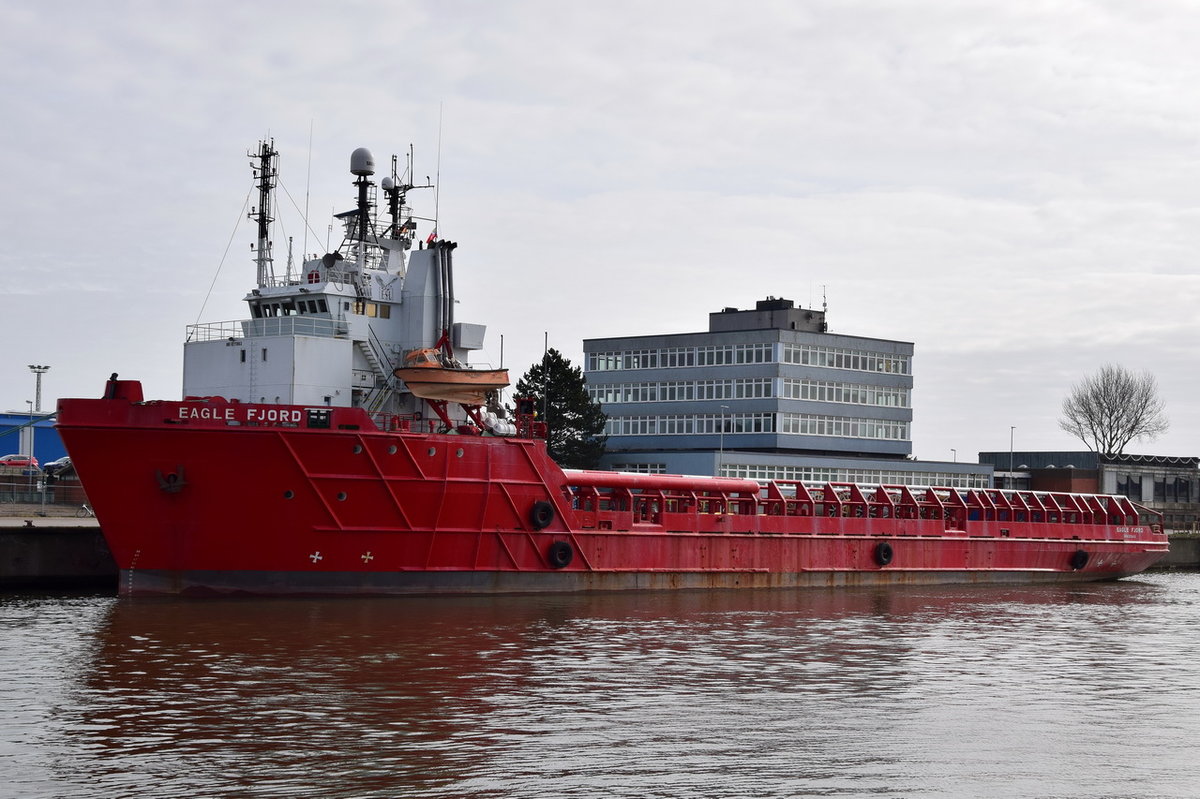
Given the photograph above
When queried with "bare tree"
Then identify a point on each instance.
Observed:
(1109, 409)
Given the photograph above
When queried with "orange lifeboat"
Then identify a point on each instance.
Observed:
(428, 376)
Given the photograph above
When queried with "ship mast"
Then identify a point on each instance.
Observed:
(362, 165)
(266, 172)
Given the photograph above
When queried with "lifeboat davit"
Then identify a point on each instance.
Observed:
(428, 376)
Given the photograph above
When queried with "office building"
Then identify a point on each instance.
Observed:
(767, 393)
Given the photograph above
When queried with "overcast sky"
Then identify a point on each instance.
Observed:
(1014, 187)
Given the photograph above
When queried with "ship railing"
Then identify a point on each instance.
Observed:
(316, 326)
(403, 423)
(950, 508)
(928, 502)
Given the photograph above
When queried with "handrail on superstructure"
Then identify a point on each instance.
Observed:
(300, 324)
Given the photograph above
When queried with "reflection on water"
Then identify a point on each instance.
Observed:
(1076, 691)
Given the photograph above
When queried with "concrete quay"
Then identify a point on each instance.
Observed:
(54, 552)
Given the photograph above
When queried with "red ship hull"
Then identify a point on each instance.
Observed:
(203, 496)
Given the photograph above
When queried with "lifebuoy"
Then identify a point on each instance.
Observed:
(1079, 559)
(883, 553)
(541, 514)
(560, 554)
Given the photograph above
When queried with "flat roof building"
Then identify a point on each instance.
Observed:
(1170, 485)
(767, 393)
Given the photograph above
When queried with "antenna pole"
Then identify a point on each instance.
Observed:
(266, 172)
(393, 196)
(437, 189)
(307, 191)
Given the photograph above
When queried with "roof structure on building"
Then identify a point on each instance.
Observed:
(1079, 460)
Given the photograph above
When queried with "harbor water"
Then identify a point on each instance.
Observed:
(1089, 690)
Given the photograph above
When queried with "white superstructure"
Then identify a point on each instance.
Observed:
(333, 333)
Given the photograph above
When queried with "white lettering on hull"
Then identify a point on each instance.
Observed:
(205, 412)
(231, 413)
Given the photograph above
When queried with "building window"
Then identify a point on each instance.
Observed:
(677, 357)
(1130, 485)
(853, 360)
(683, 390)
(686, 425)
(822, 474)
(849, 393)
(805, 424)
(640, 468)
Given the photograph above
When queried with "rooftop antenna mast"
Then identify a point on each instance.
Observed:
(437, 187)
(266, 172)
(395, 189)
(307, 191)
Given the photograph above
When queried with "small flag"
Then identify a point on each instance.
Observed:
(432, 237)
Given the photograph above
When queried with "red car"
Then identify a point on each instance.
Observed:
(19, 461)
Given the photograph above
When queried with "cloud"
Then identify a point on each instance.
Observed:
(1010, 187)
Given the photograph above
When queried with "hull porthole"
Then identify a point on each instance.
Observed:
(560, 554)
(171, 482)
(541, 514)
(1079, 559)
(883, 553)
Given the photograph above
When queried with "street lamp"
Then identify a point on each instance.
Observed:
(1012, 429)
(38, 371)
(954, 454)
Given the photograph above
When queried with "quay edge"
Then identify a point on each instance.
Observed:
(47, 553)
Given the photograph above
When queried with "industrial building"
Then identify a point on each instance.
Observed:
(1169, 485)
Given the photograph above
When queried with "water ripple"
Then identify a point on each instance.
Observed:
(1083, 691)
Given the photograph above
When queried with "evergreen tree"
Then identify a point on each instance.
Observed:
(575, 423)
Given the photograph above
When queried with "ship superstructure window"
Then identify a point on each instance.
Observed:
(373, 309)
(314, 306)
(272, 310)
(311, 306)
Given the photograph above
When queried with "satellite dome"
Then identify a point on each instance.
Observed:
(362, 162)
(388, 183)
